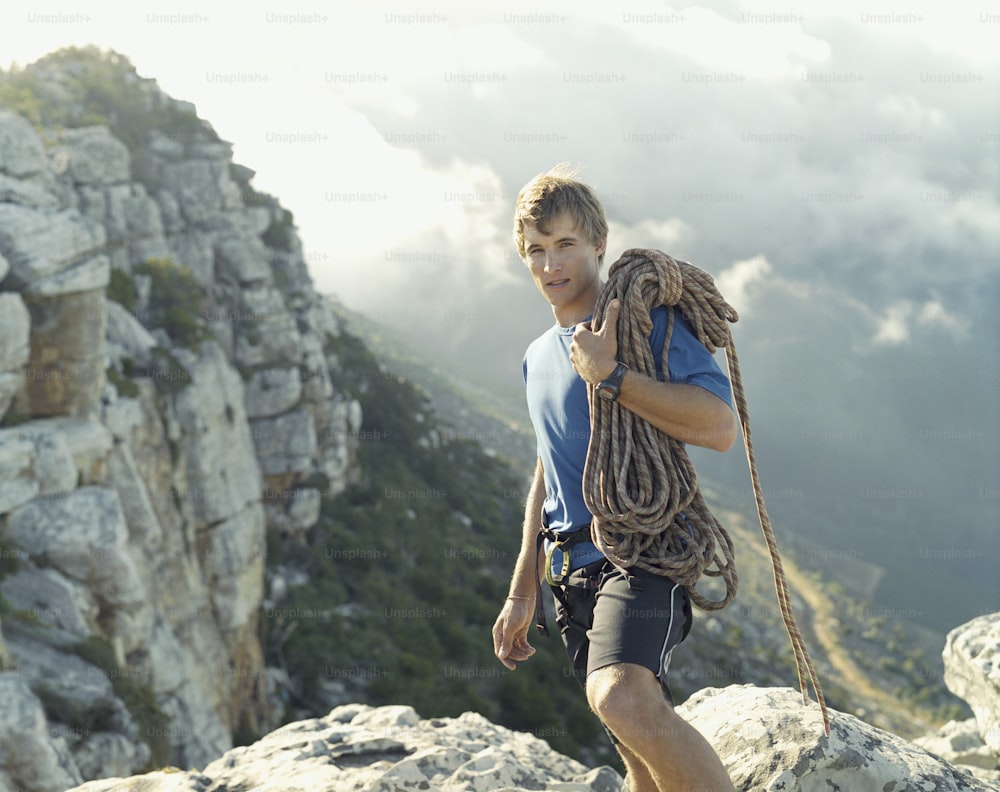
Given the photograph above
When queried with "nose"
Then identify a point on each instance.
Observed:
(552, 262)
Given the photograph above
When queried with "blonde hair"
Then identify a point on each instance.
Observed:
(556, 192)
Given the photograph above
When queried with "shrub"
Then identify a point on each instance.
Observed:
(121, 289)
(175, 301)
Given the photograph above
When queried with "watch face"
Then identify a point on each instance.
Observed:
(607, 392)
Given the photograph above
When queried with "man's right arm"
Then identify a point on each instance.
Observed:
(510, 631)
(527, 570)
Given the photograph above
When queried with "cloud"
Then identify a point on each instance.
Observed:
(895, 325)
(735, 282)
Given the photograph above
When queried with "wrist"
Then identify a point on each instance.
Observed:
(605, 370)
(609, 388)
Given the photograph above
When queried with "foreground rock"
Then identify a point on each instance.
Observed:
(357, 747)
(972, 671)
(960, 743)
(767, 739)
(769, 742)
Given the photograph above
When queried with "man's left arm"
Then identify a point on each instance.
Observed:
(686, 412)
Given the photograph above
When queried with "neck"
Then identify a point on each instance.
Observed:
(579, 310)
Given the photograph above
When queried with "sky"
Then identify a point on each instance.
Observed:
(834, 165)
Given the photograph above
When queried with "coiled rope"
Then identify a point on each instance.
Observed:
(639, 483)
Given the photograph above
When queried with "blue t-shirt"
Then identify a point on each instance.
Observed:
(557, 404)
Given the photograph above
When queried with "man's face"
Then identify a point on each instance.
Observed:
(564, 263)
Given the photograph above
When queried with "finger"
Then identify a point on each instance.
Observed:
(610, 316)
(522, 652)
(502, 644)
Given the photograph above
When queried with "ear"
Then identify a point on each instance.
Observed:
(602, 245)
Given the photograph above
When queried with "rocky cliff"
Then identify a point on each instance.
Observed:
(167, 395)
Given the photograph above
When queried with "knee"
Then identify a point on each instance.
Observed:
(615, 696)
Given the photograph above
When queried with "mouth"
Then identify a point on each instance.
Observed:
(557, 284)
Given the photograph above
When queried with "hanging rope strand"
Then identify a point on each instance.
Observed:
(639, 482)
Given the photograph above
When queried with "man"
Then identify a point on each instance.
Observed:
(618, 626)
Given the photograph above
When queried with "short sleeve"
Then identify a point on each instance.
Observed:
(688, 361)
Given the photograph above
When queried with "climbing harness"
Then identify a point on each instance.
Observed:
(564, 543)
(639, 484)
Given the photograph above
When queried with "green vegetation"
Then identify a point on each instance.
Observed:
(168, 376)
(137, 696)
(281, 233)
(121, 289)
(408, 570)
(175, 302)
(97, 87)
(123, 384)
(10, 558)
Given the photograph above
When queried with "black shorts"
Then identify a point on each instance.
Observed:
(607, 615)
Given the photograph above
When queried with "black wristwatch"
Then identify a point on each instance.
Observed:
(611, 387)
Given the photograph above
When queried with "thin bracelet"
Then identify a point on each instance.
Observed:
(520, 598)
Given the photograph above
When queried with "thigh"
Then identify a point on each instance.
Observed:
(638, 617)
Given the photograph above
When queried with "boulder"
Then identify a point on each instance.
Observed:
(972, 671)
(84, 536)
(29, 758)
(51, 598)
(292, 512)
(385, 748)
(272, 391)
(18, 484)
(286, 444)
(15, 345)
(88, 717)
(52, 466)
(241, 260)
(268, 332)
(769, 741)
(35, 459)
(90, 274)
(34, 191)
(21, 150)
(38, 244)
(91, 155)
(960, 743)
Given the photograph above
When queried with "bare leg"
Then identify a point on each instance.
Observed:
(669, 755)
(639, 778)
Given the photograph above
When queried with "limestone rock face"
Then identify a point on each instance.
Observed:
(134, 506)
(384, 748)
(769, 741)
(972, 671)
(65, 372)
(29, 758)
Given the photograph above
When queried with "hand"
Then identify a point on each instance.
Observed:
(594, 355)
(510, 632)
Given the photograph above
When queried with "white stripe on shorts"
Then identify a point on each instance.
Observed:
(665, 653)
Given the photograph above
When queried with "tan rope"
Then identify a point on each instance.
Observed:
(639, 483)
